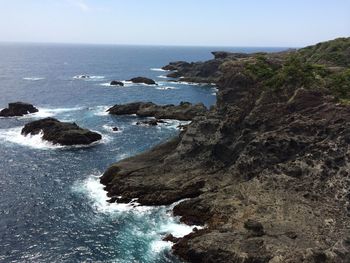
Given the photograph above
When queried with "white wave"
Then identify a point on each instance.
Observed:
(160, 221)
(98, 197)
(14, 135)
(107, 84)
(100, 110)
(88, 77)
(127, 83)
(158, 246)
(47, 112)
(166, 88)
(190, 83)
(159, 69)
(162, 77)
(33, 78)
(173, 124)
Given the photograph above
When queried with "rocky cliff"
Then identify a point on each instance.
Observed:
(266, 171)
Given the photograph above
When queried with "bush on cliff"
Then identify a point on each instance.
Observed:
(339, 84)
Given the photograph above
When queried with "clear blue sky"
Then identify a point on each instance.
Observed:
(291, 23)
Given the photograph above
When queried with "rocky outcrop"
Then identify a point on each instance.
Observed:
(185, 111)
(62, 133)
(266, 171)
(143, 80)
(116, 83)
(18, 109)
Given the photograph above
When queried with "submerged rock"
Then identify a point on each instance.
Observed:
(184, 111)
(62, 133)
(143, 80)
(18, 109)
(116, 83)
(82, 77)
(153, 122)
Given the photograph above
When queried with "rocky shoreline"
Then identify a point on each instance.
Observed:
(266, 170)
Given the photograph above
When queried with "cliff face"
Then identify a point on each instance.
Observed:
(266, 171)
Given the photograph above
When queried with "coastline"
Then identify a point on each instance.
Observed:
(265, 169)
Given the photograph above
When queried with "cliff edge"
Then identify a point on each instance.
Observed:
(267, 170)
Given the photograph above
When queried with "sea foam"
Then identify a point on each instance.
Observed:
(159, 69)
(47, 112)
(33, 78)
(14, 135)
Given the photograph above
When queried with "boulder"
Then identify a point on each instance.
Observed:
(62, 133)
(116, 83)
(143, 80)
(18, 109)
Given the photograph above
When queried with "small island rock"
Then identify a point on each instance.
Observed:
(143, 80)
(18, 109)
(63, 133)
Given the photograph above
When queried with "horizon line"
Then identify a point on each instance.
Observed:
(140, 45)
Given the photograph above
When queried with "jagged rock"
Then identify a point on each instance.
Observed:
(184, 111)
(62, 133)
(143, 80)
(18, 109)
(115, 129)
(116, 83)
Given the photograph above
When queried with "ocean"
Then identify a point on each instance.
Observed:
(52, 207)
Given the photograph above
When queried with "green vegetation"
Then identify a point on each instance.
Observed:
(332, 53)
(339, 84)
(294, 72)
(261, 69)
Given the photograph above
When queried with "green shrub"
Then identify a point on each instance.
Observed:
(339, 84)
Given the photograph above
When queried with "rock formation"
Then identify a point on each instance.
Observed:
(185, 111)
(116, 83)
(18, 109)
(266, 171)
(143, 80)
(62, 133)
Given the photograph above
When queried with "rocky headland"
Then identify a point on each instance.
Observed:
(266, 171)
(17, 109)
(62, 133)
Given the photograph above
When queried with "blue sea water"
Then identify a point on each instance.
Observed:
(52, 207)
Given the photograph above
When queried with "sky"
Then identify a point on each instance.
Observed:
(272, 23)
